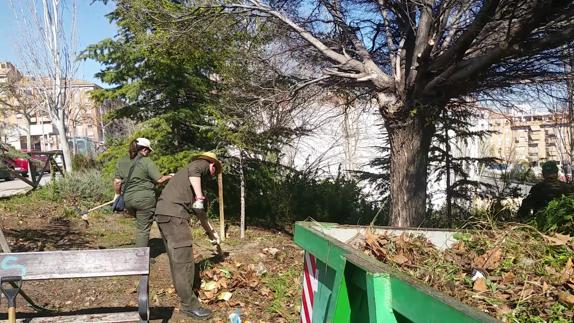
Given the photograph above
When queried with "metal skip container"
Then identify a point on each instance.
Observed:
(342, 284)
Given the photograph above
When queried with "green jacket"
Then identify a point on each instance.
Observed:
(144, 177)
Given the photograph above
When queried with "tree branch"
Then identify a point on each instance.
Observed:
(345, 62)
(456, 52)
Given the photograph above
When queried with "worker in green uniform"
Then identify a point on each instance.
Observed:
(542, 193)
(182, 196)
(136, 176)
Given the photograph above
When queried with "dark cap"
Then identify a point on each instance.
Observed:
(550, 167)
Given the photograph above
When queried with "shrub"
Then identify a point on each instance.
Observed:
(278, 195)
(558, 216)
(81, 162)
(81, 188)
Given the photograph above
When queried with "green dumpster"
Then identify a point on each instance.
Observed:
(341, 284)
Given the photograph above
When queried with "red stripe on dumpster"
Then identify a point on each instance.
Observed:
(310, 284)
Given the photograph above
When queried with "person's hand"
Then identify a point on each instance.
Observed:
(198, 204)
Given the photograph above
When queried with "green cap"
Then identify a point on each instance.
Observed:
(550, 167)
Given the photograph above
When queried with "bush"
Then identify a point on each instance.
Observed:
(85, 187)
(81, 162)
(278, 196)
(558, 216)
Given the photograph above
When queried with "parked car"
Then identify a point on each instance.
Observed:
(17, 161)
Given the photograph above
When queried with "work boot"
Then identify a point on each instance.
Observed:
(197, 313)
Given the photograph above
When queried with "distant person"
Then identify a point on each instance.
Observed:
(136, 177)
(542, 193)
(182, 197)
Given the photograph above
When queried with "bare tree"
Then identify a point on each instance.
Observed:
(18, 98)
(48, 48)
(413, 57)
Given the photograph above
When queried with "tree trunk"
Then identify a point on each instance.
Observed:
(242, 195)
(28, 133)
(410, 143)
(447, 170)
(569, 67)
(63, 142)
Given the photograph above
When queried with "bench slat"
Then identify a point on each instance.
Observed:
(110, 317)
(75, 263)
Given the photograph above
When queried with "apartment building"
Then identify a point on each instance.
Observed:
(532, 138)
(25, 118)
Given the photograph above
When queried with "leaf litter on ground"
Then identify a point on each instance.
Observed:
(524, 275)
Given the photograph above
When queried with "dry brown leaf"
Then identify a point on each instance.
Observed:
(501, 295)
(236, 303)
(265, 291)
(489, 260)
(209, 295)
(508, 277)
(526, 292)
(544, 287)
(503, 309)
(459, 247)
(253, 283)
(480, 285)
(400, 259)
(567, 272)
(558, 239)
(566, 298)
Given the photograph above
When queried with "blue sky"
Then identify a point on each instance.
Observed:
(93, 26)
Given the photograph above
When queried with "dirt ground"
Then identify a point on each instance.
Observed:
(260, 275)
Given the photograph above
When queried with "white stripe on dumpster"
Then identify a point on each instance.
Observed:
(310, 284)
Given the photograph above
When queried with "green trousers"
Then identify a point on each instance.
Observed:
(144, 209)
(176, 234)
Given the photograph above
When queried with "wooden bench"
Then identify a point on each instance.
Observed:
(83, 264)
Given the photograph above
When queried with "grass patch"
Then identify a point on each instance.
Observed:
(284, 292)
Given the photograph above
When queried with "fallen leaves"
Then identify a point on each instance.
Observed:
(508, 277)
(506, 273)
(567, 272)
(489, 260)
(566, 298)
(218, 284)
(480, 285)
(558, 239)
(224, 296)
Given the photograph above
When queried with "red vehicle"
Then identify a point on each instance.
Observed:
(39, 160)
(19, 164)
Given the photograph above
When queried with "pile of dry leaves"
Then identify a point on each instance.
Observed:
(219, 283)
(515, 274)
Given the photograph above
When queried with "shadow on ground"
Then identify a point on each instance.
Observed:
(57, 234)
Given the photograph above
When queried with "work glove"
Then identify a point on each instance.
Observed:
(116, 196)
(199, 204)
